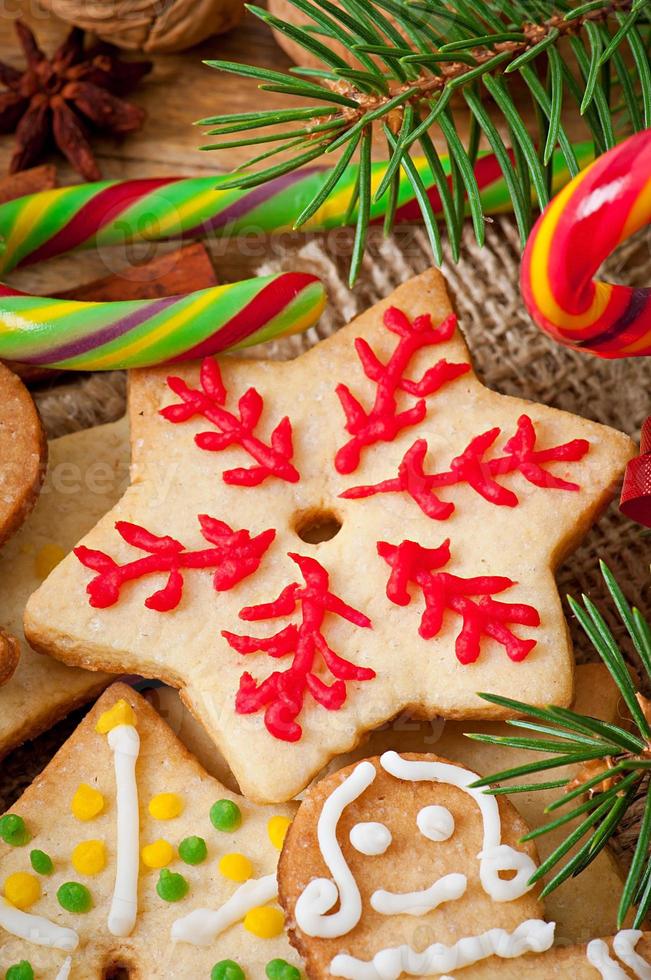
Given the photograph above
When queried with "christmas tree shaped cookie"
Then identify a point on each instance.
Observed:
(396, 866)
(125, 853)
(445, 508)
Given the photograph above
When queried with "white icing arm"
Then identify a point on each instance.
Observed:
(447, 889)
(532, 936)
(624, 945)
(35, 929)
(599, 957)
(201, 927)
(125, 745)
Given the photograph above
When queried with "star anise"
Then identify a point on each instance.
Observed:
(54, 99)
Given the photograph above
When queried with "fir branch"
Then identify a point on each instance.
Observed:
(410, 57)
(615, 761)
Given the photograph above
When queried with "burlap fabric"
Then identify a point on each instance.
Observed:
(510, 354)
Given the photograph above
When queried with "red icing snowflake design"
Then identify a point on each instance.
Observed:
(383, 422)
(271, 460)
(472, 468)
(411, 563)
(236, 555)
(282, 694)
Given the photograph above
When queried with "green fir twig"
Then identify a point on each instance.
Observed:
(409, 58)
(615, 761)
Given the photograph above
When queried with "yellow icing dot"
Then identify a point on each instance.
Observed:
(87, 803)
(120, 714)
(157, 855)
(89, 857)
(277, 829)
(22, 889)
(236, 867)
(264, 922)
(47, 558)
(165, 806)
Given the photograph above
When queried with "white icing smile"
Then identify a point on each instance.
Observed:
(447, 889)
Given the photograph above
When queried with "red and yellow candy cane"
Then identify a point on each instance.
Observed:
(605, 204)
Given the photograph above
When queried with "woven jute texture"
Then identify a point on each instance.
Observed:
(510, 354)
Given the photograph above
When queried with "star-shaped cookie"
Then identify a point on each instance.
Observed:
(124, 853)
(445, 508)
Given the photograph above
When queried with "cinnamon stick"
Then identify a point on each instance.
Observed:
(42, 178)
(182, 271)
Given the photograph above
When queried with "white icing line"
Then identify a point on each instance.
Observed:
(532, 936)
(36, 929)
(624, 945)
(447, 889)
(435, 822)
(125, 745)
(494, 856)
(201, 927)
(64, 972)
(599, 957)
(370, 838)
(322, 894)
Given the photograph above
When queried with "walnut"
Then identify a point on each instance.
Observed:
(150, 26)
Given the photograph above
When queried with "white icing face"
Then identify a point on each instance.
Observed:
(370, 838)
(436, 823)
(339, 890)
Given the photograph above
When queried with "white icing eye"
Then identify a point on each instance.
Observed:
(435, 822)
(370, 838)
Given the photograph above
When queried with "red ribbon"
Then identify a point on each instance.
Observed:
(636, 492)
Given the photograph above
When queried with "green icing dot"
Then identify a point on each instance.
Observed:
(13, 830)
(227, 970)
(282, 970)
(20, 971)
(74, 897)
(225, 815)
(193, 850)
(172, 887)
(41, 863)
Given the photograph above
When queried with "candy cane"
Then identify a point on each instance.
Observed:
(602, 206)
(102, 336)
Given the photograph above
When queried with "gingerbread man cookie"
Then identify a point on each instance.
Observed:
(125, 853)
(9, 656)
(396, 866)
(22, 464)
(309, 547)
(22, 452)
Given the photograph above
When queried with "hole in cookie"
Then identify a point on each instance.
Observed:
(317, 526)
